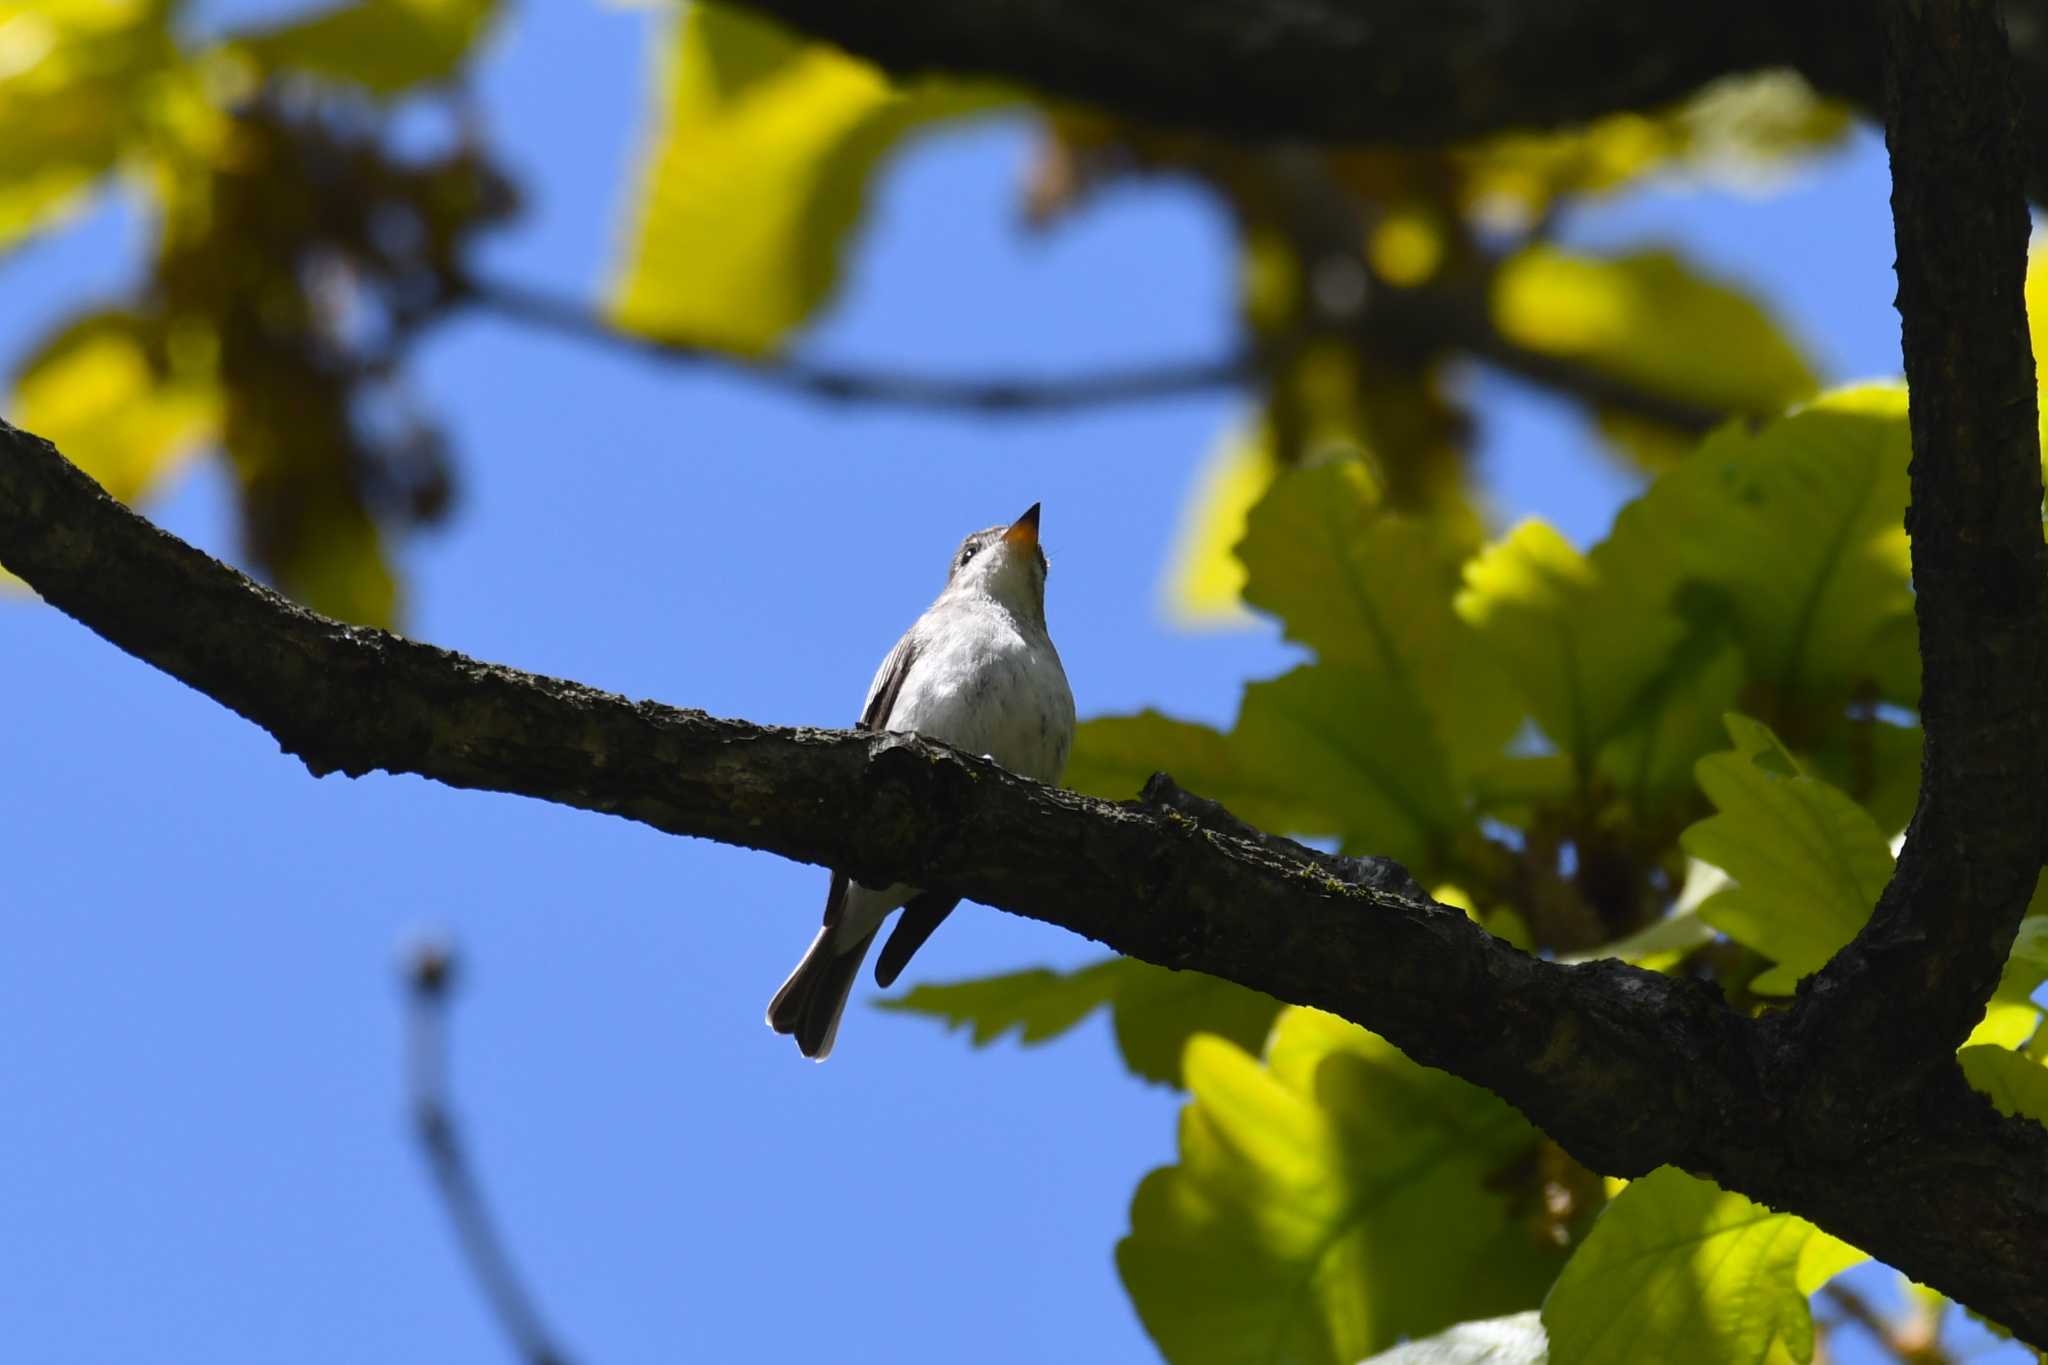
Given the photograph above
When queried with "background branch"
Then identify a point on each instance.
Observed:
(1447, 316)
(429, 979)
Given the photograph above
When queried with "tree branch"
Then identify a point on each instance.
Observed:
(985, 397)
(429, 976)
(1443, 316)
(1402, 72)
(1627, 1069)
(1405, 71)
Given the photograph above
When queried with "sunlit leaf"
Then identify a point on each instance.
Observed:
(1204, 577)
(1373, 592)
(1682, 1272)
(123, 401)
(78, 83)
(2017, 1085)
(1362, 758)
(385, 47)
(1651, 320)
(1604, 671)
(1113, 756)
(1808, 862)
(2010, 1015)
(757, 175)
(1795, 536)
(1737, 130)
(1154, 1011)
(1326, 1203)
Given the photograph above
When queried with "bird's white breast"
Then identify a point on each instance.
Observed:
(982, 683)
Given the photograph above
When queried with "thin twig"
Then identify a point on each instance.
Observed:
(986, 397)
(429, 973)
(1438, 315)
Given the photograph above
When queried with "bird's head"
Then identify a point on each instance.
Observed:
(1005, 563)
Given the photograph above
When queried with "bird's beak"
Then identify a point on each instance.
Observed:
(1024, 530)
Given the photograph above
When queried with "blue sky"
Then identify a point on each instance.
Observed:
(206, 1155)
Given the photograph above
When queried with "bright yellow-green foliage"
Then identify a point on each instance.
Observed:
(1808, 862)
(386, 47)
(1326, 1202)
(766, 147)
(1590, 702)
(1649, 318)
(1684, 1273)
(1154, 1011)
(2017, 1084)
(120, 399)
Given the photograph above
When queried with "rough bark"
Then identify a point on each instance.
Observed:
(1392, 71)
(1847, 1108)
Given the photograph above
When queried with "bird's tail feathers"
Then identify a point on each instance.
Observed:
(809, 1004)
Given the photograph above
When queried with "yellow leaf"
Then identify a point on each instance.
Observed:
(757, 176)
(1650, 320)
(383, 46)
(77, 83)
(120, 408)
(1204, 579)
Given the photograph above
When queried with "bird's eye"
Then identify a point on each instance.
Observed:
(967, 554)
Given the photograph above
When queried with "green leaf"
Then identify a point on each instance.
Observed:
(1681, 1272)
(1114, 756)
(1618, 684)
(123, 400)
(1326, 1204)
(1795, 536)
(80, 81)
(1517, 1339)
(1036, 1004)
(1204, 583)
(1651, 320)
(1362, 757)
(1154, 1011)
(1807, 861)
(1373, 592)
(2017, 1085)
(757, 176)
(2010, 1015)
(386, 47)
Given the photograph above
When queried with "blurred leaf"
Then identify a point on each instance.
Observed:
(336, 565)
(2017, 1085)
(109, 391)
(1326, 1204)
(1154, 1011)
(1682, 1272)
(1373, 592)
(1649, 320)
(1794, 535)
(1808, 862)
(1204, 578)
(759, 171)
(79, 80)
(1517, 1339)
(1737, 129)
(384, 46)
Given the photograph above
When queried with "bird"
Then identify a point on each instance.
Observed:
(977, 671)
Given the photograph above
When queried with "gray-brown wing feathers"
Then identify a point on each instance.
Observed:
(874, 715)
